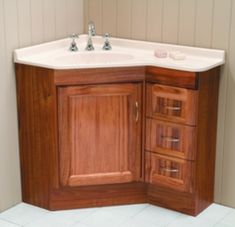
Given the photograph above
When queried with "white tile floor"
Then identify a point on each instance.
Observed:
(142, 215)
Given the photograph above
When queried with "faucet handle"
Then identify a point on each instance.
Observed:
(106, 36)
(74, 36)
(107, 45)
(73, 47)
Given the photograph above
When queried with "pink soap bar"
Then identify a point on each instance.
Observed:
(160, 53)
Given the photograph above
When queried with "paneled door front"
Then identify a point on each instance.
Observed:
(99, 134)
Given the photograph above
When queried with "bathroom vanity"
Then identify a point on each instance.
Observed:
(101, 133)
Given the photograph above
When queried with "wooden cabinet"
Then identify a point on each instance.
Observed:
(98, 127)
(96, 137)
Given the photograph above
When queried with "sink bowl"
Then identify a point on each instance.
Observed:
(92, 58)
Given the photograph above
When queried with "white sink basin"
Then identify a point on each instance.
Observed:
(92, 58)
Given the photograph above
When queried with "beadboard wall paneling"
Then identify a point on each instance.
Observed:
(220, 39)
(9, 157)
(204, 22)
(139, 19)
(75, 16)
(24, 13)
(86, 14)
(23, 23)
(186, 28)
(170, 21)
(61, 18)
(228, 183)
(37, 21)
(201, 23)
(124, 16)
(95, 11)
(154, 20)
(109, 7)
(48, 8)
(2, 99)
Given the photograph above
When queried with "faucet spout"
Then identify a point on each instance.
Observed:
(91, 28)
(91, 32)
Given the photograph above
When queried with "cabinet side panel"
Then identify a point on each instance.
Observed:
(206, 145)
(171, 199)
(37, 132)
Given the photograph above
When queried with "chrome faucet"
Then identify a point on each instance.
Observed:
(73, 46)
(91, 32)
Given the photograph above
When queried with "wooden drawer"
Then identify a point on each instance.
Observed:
(173, 104)
(170, 139)
(169, 172)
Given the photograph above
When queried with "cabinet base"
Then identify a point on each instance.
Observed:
(98, 196)
(186, 203)
(123, 194)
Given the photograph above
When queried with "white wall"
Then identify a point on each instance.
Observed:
(23, 23)
(203, 23)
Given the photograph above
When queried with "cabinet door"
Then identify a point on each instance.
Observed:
(172, 104)
(99, 136)
(169, 172)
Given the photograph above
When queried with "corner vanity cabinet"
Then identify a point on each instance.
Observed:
(96, 137)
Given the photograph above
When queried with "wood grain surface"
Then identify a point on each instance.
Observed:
(98, 134)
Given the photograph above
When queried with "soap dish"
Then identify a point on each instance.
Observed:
(177, 55)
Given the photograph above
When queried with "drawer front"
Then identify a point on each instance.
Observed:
(172, 104)
(170, 139)
(172, 77)
(169, 172)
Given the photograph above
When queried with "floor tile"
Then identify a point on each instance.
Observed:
(62, 218)
(223, 225)
(139, 223)
(188, 221)
(156, 215)
(7, 224)
(103, 218)
(79, 224)
(214, 213)
(229, 219)
(23, 214)
(140, 215)
(126, 211)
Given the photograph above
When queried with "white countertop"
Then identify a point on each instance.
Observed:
(124, 53)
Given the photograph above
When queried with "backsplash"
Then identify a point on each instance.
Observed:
(200, 23)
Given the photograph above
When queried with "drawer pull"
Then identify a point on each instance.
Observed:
(170, 139)
(170, 170)
(173, 107)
